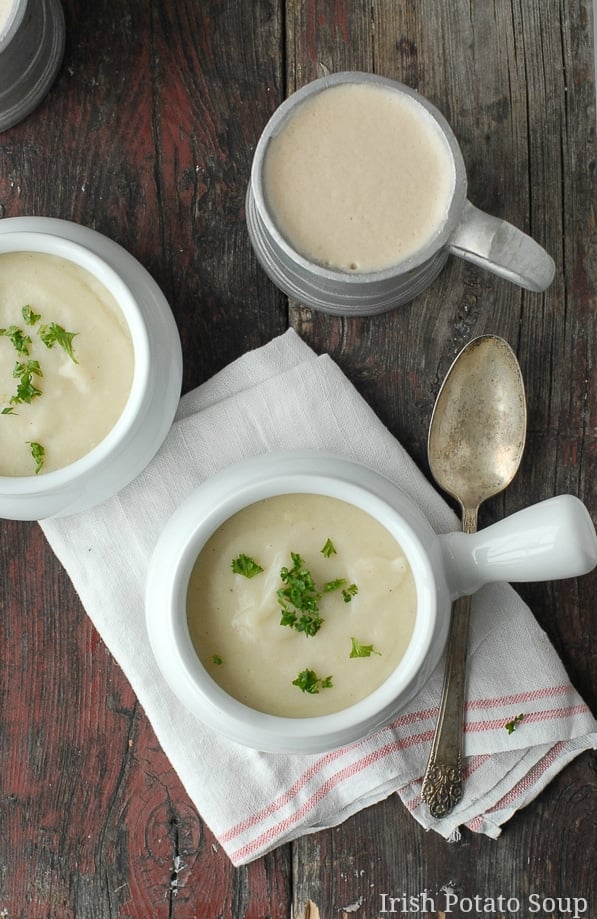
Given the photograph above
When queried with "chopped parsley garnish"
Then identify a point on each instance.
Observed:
(25, 370)
(246, 566)
(216, 659)
(20, 340)
(29, 316)
(308, 681)
(38, 453)
(22, 368)
(359, 650)
(328, 549)
(349, 592)
(54, 334)
(299, 599)
(513, 724)
(26, 390)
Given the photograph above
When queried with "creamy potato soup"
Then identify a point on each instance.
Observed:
(301, 605)
(66, 362)
(359, 178)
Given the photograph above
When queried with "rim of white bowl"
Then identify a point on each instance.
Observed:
(45, 243)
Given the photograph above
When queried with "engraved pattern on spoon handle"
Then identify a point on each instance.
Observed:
(442, 784)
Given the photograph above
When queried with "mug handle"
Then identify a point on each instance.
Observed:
(501, 248)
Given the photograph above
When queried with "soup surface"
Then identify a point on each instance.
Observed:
(56, 406)
(235, 620)
(359, 178)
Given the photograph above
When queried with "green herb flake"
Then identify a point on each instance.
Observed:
(19, 339)
(23, 367)
(216, 659)
(349, 592)
(26, 391)
(513, 724)
(29, 316)
(246, 566)
(54, 334)
(328, 549)
(299, 599)
(8, 410)
(308, 681)
(359, 650)
(334, 585)
(38, 453)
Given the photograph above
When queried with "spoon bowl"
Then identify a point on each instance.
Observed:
(478, 425)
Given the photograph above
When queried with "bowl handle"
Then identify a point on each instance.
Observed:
(545, 542)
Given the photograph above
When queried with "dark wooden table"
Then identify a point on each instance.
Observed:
(147, 136)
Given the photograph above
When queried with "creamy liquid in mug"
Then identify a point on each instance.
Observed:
(80, 402)
(359, 178)
(5, 11)
(236, 620)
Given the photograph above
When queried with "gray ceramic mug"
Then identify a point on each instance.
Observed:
(31, 50)
(466, 232)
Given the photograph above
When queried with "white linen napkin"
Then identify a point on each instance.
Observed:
(282, 396)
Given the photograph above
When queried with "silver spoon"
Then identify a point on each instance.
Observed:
(476, 440)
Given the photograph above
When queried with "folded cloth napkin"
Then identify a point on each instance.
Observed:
(282, 396)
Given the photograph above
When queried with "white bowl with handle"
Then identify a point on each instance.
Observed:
(553, 539)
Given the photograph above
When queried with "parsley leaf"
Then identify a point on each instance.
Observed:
(512, 725)
(246, 566)
(26, 390)
(359, 650)
(334, 585)
(20, 341)
(29, 316)
(328, 549)
(22, 367)
(216, 659)
(308, 681)
(349, 592)
(38, 453)
(54, 334)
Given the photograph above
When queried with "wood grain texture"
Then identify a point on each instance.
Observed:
(147, 135)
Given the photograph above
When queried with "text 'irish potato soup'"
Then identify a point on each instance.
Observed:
(300, 605)
(66, 362)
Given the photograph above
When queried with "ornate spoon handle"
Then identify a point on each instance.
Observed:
(442, 784)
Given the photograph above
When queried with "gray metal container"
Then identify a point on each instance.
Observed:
(31, 50)
(467, 232)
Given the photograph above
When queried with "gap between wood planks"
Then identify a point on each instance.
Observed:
(312, 912)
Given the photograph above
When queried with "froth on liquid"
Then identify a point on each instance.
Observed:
(359, 178)
(6, 7)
